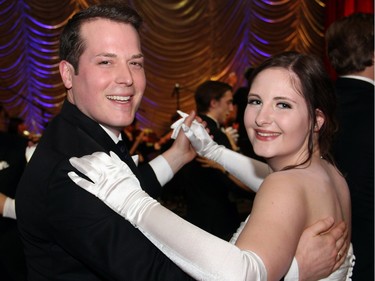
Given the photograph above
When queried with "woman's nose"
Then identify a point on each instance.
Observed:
(264, 116)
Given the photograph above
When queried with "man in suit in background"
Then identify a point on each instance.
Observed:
(67, 233)
(350, 46)
(207, 189)
(12, 165)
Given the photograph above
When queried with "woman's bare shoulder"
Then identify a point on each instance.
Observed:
(285, 179)
(287, 187)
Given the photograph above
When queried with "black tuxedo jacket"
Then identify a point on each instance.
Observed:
(354, 147)
(218, 135)
(354, 153)
(69, 234)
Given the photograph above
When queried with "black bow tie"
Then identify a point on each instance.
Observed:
(125, 156)
(121, 145)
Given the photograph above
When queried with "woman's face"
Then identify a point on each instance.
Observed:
(276, 118)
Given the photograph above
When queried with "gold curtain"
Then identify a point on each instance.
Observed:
(185, 42)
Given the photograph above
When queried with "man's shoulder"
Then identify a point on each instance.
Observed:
(349, 84)
(211, 123)
(206, 118)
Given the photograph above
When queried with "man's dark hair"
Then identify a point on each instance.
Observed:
(350, 43)
(208, 91)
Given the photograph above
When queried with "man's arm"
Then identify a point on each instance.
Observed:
(317, 252)
(181, 152)
(165, 166)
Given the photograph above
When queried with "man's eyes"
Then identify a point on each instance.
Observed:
(137, 64)
(104, 62)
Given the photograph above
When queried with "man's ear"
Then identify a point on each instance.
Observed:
(66, 72)
(319, 121)
(213, 103)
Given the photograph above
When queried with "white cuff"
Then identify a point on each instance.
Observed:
(293, 273)
(9, 210)
(162, 169)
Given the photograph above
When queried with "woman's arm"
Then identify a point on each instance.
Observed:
(277, 220)
(199, 253)
(249, 171)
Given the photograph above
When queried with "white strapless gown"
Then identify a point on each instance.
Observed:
(344, 273)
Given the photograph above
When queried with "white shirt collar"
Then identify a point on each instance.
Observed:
(359, 78)
(115, 138)
(135, 158)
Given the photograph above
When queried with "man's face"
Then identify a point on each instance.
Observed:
(221, 109)
(111, 79)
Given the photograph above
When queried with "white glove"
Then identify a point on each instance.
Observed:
(200, 254)
(108, 184)
(249, 171)
(199, 130)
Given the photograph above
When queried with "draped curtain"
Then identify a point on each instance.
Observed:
(185, 42)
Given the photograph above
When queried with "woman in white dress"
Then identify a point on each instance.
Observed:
(290, 122)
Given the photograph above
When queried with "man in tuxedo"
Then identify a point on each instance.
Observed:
(350, 46)
(12, 165)
(69, 234)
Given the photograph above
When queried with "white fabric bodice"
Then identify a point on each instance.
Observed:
(343, 273)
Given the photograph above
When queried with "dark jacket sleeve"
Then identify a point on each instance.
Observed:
(98, 237)
(150, 183)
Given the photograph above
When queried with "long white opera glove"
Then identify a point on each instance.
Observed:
(249, 171)
(200, 254)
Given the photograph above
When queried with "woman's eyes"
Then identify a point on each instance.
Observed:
(283, 105)
(254, 101)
